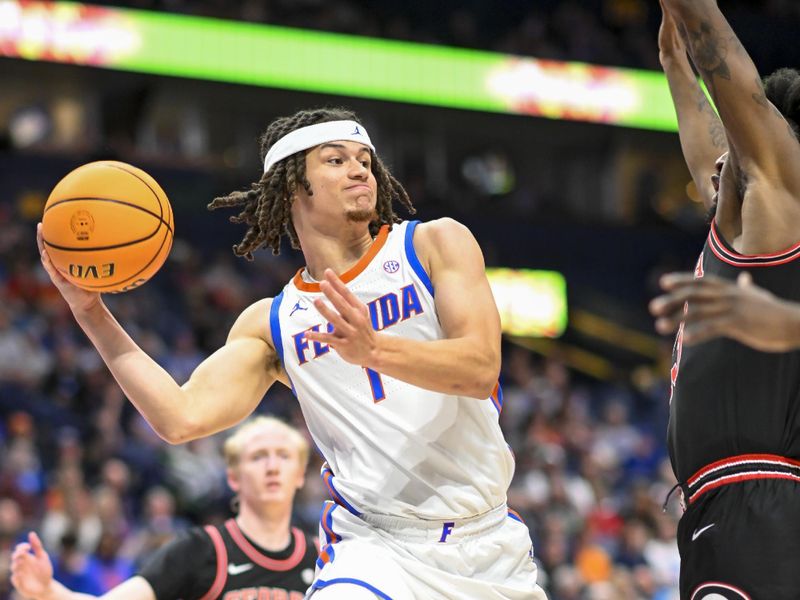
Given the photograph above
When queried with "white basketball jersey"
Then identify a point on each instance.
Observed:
(390, 447)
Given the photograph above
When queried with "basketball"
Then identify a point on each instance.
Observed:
(107, 226)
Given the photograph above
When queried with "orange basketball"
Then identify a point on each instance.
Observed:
(107, 226)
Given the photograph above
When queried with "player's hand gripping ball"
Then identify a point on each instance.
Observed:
(107, 227)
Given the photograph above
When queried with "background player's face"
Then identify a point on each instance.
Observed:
(269, 469)
(344, 186)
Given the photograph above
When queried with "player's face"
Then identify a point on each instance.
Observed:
(341, 177)
(269, 470)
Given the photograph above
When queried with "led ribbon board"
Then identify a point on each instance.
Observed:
(531, 303)
(312, 61)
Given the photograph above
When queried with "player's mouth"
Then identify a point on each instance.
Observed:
(361, 187)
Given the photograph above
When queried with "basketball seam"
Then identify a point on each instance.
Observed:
(157, 252)
(152, 191)
(99, 248)
(123, 202)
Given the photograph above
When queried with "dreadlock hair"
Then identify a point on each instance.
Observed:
(782, 88)
(267, 204)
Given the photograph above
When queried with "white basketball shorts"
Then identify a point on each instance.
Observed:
(485, 557)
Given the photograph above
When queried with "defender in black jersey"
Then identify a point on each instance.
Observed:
(256, 556)
(734, 433)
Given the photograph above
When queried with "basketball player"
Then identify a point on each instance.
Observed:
(256, 555)
(390, 339)
(734, 433)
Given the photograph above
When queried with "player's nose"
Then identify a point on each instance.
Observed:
(357, 170)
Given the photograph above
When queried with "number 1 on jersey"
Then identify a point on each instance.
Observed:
(375, 385)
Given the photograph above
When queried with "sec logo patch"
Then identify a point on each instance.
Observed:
(391, 266)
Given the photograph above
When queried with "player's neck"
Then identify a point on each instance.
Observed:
(338, 251)
(269, 529)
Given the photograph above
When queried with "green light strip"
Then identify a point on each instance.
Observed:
(295, 59)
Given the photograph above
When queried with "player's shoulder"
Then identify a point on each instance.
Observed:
(440, 232)
(254, 321)
(193, 541)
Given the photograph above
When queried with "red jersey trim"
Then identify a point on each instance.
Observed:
(222, 564)
(353, 271)
(728, 255)
(260, 559)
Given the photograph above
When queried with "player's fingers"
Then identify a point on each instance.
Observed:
(36, 543)
(744, 280)
(322, 338)
(697, 311)
(666, 325)
(672, 281)
(702, 331)
(337, 300)
(340, 326)
(343, 290)
(20, 549)
(673, 302)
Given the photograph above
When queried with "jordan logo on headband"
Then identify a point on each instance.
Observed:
(314, 135)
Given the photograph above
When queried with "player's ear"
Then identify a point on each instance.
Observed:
(233, 479)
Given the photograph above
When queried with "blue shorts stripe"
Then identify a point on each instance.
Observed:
(319, 584)
(413, 260)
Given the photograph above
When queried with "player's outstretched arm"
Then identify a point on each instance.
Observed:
(467, 361)
(224, 389)
(701, 133)
(718, 307)
(765, 146)
(32, 577)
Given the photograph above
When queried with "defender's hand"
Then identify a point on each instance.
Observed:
(717, 307)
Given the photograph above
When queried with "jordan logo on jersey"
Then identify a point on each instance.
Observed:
(384, 312)
(297, 307)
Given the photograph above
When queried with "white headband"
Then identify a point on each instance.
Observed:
(314, 135)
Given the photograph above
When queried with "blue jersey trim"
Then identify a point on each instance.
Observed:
(413, 259)
(327, 478)
(319, 584)
(275, 326)
(277, 338)
(516, 518)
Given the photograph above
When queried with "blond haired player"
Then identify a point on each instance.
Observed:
(257, 552)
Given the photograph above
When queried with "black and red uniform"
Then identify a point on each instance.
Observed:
(734, 443)
(222, 562)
